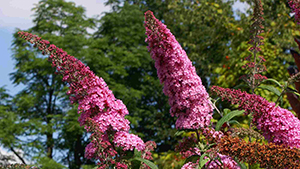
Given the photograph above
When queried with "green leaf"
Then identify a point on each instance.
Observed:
(226, 111)
(227, 117)
(137, 153)
(239, 86)
(203, 161)
(147, 162)
(240, 164)
(273, 23)
(270, 88)
(292, 90)
(296, 93)
(216, 5)
(234, 122)
(178, 133)
(192, 159)
(273, 80)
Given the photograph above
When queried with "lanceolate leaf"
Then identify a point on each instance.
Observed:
(203, 161)
(147, 162)
(228, 117)
(234, 122)
(270, 88)
(240, 164)
(137, 153)
(192, 159)
(178, 133)
(240, 86)
(273, 80)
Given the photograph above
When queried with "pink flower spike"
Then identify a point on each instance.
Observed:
(101, 112)
(187, 96)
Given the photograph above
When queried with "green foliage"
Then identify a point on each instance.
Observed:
(147, 162)
(270, 88)
(192, 159)
(88, 166)
(228, 117)
(203, 161)
(48, 163)
(169, 160)
(8, 130)
(204, 28)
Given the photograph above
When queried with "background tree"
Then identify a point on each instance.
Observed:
(42, 101)
(9, 133)
(205, 30)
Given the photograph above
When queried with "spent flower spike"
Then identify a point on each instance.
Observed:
(267, 155)
(187, 96)
(100, 110)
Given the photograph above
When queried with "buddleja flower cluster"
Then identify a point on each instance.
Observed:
(278, 125)
(100, 110)
(187, 96)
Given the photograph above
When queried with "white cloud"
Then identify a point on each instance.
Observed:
(93, 7)
(242, 6)
(17, 13)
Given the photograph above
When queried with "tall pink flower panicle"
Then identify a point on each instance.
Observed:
(97, 103)
(295, 6)
(278, 125)
(187, 96)
(90, 91)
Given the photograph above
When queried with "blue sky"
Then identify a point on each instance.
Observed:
(17, 14)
